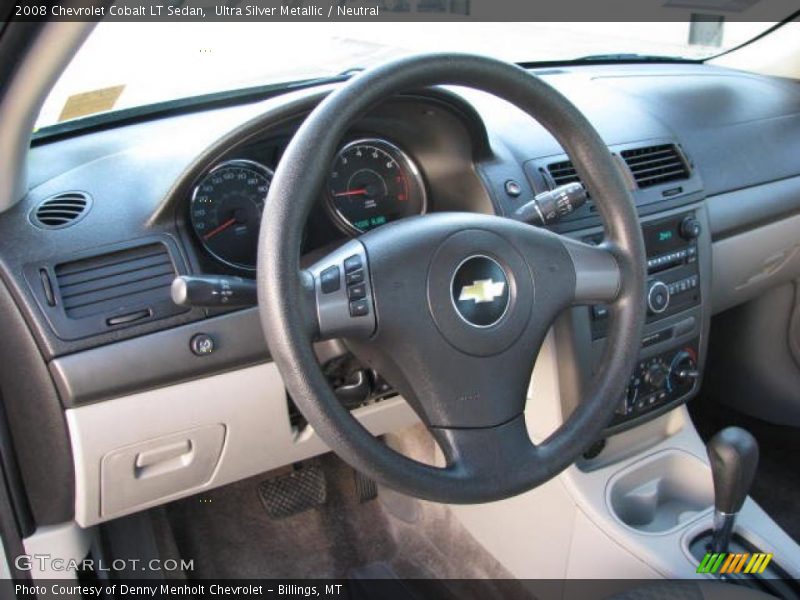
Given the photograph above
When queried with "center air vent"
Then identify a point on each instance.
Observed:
(61, 210)
(654, 165)
(119, 284)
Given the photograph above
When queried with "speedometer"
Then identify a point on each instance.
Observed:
(225, 211)
(373, 182)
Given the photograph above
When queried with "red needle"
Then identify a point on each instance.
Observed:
(219, 229)
(357, 192)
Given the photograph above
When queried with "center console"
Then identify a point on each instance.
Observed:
(664, 379)
(672, 347)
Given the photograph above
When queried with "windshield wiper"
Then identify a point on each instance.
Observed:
(632, 57)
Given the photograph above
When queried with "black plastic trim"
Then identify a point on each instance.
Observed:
(13, 480)
(11, 538)
(795, 15)
(37, 424)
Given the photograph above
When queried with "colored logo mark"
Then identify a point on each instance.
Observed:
(726, 562)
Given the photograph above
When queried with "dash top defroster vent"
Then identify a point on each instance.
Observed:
(61, 210)
(96, 292)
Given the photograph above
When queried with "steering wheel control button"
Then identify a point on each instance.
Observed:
(657, 297)
(352, 263)
(357, 291)
(344, 310)
(202, 344)
(480, 291)
(354, 277)
(330, 280)
(359, 308)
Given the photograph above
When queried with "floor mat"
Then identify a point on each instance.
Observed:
(294, 492)
(777, 484)
(229, 534)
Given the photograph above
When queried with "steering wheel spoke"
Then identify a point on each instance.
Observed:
(597, 273)
(487, 454)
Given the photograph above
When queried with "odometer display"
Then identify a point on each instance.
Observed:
(373, 182)
(226, 210)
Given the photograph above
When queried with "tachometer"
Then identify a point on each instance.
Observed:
(373, 182)
(225, 210)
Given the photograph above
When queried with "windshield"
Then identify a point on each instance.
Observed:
(124, 65)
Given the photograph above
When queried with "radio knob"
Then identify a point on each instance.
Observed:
(690, 228)
(657, 297)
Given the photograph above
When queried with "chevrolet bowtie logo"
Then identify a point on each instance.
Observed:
(482, 290)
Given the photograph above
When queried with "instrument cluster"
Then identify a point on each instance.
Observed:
(372, 181)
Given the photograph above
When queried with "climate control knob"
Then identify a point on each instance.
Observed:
(656, 374)
(657, 297)
(683, 370)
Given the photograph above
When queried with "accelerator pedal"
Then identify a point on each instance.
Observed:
(366, 488)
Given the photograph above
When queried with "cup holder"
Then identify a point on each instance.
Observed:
(661, 492)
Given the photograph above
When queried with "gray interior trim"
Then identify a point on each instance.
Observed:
(794, 325)
(748, 264)
(47, 57)
(597, 274)
(159, 359)
(752, 367)
(736, 211)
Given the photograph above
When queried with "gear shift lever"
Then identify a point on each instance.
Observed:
(733, 454)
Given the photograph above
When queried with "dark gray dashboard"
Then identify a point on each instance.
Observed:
(738, 135)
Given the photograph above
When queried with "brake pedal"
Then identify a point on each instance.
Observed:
(297, 491)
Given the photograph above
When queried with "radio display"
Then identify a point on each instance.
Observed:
(663, 235)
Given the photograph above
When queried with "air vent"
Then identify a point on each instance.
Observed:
(562, 173)
(654, 165)
(61, 210)
(123, 285)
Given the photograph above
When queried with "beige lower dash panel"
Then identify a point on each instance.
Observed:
(152, 429)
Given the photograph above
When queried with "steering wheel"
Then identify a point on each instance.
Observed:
(451, 308)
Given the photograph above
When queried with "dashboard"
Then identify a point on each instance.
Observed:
(85, 305)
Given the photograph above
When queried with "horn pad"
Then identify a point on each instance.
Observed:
(480, 292)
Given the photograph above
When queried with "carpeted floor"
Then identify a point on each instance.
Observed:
(228, 534)
(777, 484)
